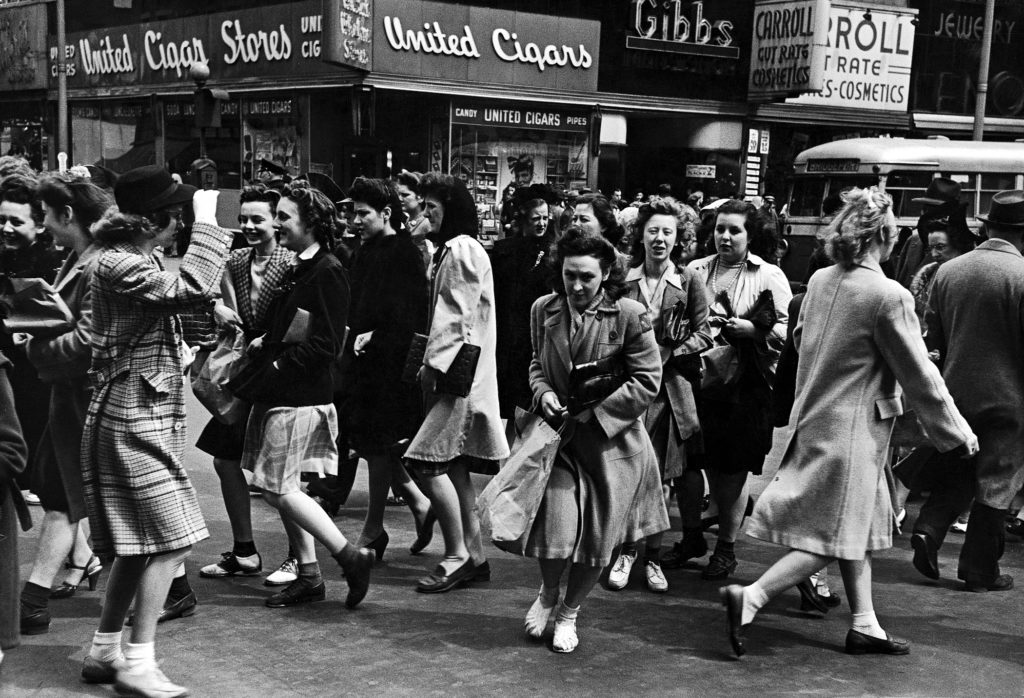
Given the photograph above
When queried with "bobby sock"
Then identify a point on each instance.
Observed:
(180, 588)
(244, 548)
(566, 612)
(34, 597)
(310, 571)
(867, 623)
(139, 655)
(754, 599)
(106, 647)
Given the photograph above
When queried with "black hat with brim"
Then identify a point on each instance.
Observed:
(1007, 209)
(148, 189)
(940, 190)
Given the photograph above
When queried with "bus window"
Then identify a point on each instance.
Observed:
(990, 184)
(904, 186)
(808, 193)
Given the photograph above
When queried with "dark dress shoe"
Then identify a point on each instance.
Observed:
(1016, 528)
(684, 551)
(926, 555)
(859, 643)
(719, 567)
(439, 582)
(357, 574)
(832, 600)
(35, 622)
(173, 608)
(1003, 582)
(732, 599)
(424, 533)
(482, 572)
(810, 599)
(299, 591)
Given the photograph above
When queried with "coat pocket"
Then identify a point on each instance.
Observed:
(889, 407)
(159, 381)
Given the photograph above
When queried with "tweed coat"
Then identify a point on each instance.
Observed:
(63, 362)
(461, 311)
(139, 498)
(619, 487)
(976, 320)
(237, 285)
(859, 342)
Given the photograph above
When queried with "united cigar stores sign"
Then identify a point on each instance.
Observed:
(274, 41)
(499, 115)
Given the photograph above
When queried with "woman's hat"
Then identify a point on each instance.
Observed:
(148, 189)
(1007, 209)
(940, 190)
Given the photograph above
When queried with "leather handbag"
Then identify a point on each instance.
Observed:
(33, 306)
(592, 382)
(458, 380)
(676, 327)
(721, 367)
(414, 358)
(214, 369)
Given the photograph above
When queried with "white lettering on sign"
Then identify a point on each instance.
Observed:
(274, 45)
(104, 58)
(530, 52)
(430, 39)
(789, 48)
(664, 22)
(955, 26)
(701, 171)
(180, 56)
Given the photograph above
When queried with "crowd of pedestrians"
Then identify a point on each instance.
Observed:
(663, 345)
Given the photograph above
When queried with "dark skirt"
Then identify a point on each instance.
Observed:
(425, 468)
(57, 469)
(737, 436)
(223, 441)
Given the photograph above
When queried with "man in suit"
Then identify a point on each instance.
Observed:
(976, 317)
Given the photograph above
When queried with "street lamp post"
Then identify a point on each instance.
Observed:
(981, 95)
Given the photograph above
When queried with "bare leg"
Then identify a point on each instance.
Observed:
(125, 574)
(414, 498)
(55, 542)
(299, 508)
(793, 567)
(857, 581)
(730, 493)
(153, 585)
(582, 579)
(445, 500)
(461, 478)
(235, 491)
(379, 482)
(81, 553)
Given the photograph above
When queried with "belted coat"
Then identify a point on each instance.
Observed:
(861, 353)
(138, 495)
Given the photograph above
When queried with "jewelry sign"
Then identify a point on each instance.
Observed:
(788, 48)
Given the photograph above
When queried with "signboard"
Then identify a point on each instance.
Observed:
(672, 28)
(258, 43)
(788, 49)
(23, 48)
(426, 39)
(868, 61)
(701, 171)
(348, 33)
(500, 115)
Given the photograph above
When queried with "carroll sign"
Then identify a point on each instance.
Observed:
(480, 45)
(789, 49)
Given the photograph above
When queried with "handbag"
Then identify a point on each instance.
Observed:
(592, 382)
(721, 367)
(458, 380)
(510, 502)
(32, 306)
(211, 372)
(414, 358)
(676, 327)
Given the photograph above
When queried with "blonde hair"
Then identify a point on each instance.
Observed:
(861, 221)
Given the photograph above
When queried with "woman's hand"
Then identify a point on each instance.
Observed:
(255, 346)
(738, 328)
(359, 346)
(971, 447)
(427, 378)
(204, 204)
(226, 317)
(550, 406)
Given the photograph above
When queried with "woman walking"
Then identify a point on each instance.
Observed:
(604, 486)
(458, 433)
(859, 344)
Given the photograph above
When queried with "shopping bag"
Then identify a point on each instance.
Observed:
(33, 306)
(211, 372)
(509, 503)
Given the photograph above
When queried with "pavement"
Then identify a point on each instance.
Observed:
(470, 642)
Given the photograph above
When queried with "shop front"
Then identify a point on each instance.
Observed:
(23, 82)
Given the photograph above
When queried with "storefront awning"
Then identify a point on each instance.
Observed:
(832, 116)
(957, 123)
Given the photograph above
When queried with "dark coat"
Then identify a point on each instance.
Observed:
(521, 276)
(305, 373)
(12, 508)
(37, 261)
(389, 298)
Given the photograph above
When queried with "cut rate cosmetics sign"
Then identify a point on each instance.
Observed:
(868, 61)
(788, 50)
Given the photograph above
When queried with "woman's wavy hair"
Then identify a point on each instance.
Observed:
(761, 237)
(19, 189)
(605, 215)
(260, 193)
(381, 194)
(686, 227)
(316, 211)
(14, 165)
(859, 223)
(459, 208)
(88, 201)
(576, 242)
(115, 227)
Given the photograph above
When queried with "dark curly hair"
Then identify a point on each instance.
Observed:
(380, 194)
(576, 242)
(459, 208)
(686, 227)
(19, 189)
(259, 193)
(88, 201)
(761, 235)
(605, 215)
(316, 211)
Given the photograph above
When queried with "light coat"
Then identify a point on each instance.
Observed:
(138, 495)
(462, 311)
(859, 341)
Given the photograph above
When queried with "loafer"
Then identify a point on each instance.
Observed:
(439, 582)
(832, 600)
(719, 567)
(810, 599)
(859, 643)
(424, 534)
(173, 608)
(95, 671)
(298, 592)
(926, 555)
(482, 572)
(1003, 582)
(732, 599)
(684, 551)
(357, 574)
(36, 622)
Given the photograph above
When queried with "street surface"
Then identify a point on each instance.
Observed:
(470, 642)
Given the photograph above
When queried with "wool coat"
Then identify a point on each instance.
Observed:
(138, 495)
(859, 342)
(63, 362)
(236, 285)
(13, 453)
(619, 488)
(976, 321)
(461, 312)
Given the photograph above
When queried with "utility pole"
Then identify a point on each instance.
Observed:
(981, 95)
(62, 81)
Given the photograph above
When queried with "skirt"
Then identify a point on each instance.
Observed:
(57, 472)
(283, 443)
(223, 441)
(737, 436)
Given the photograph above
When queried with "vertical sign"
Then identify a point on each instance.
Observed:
(753, 139)
(788, 48)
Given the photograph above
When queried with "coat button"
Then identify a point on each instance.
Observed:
(613, 335)
(178, 426)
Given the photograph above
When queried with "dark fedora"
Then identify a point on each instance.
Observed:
(1007, 209)
(940, 190)
(148, 189)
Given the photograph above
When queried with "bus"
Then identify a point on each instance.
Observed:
(903, 168)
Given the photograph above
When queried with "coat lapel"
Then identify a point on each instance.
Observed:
(557, 330)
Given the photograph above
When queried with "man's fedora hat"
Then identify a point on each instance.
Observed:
(1007, 209)
(148, 189)
(940, 190)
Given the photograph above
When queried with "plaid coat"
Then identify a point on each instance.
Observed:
(238, 276)
(139, 498)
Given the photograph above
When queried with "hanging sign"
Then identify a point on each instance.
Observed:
(788, 48)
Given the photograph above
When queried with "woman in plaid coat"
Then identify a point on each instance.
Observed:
(142, 508)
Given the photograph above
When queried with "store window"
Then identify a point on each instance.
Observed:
(119, 136)
(223, 143)
(23, 138)
(497, 149)
(271, 132)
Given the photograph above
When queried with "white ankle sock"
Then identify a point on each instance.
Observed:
(867, 623)
(106, 647)
(139, 655)
(754, 599)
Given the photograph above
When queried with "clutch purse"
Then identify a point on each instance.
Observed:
(676, 327)
(414, 358)
(33, 306)
(299, 329)
(592, 382)
(459, 378)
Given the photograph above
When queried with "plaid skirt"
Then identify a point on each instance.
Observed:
(283, 443)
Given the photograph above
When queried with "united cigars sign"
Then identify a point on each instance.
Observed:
(481, 45)
(514, 116)
(266, 42)
(789, 48)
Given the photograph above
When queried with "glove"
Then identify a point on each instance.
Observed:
(204, 203)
